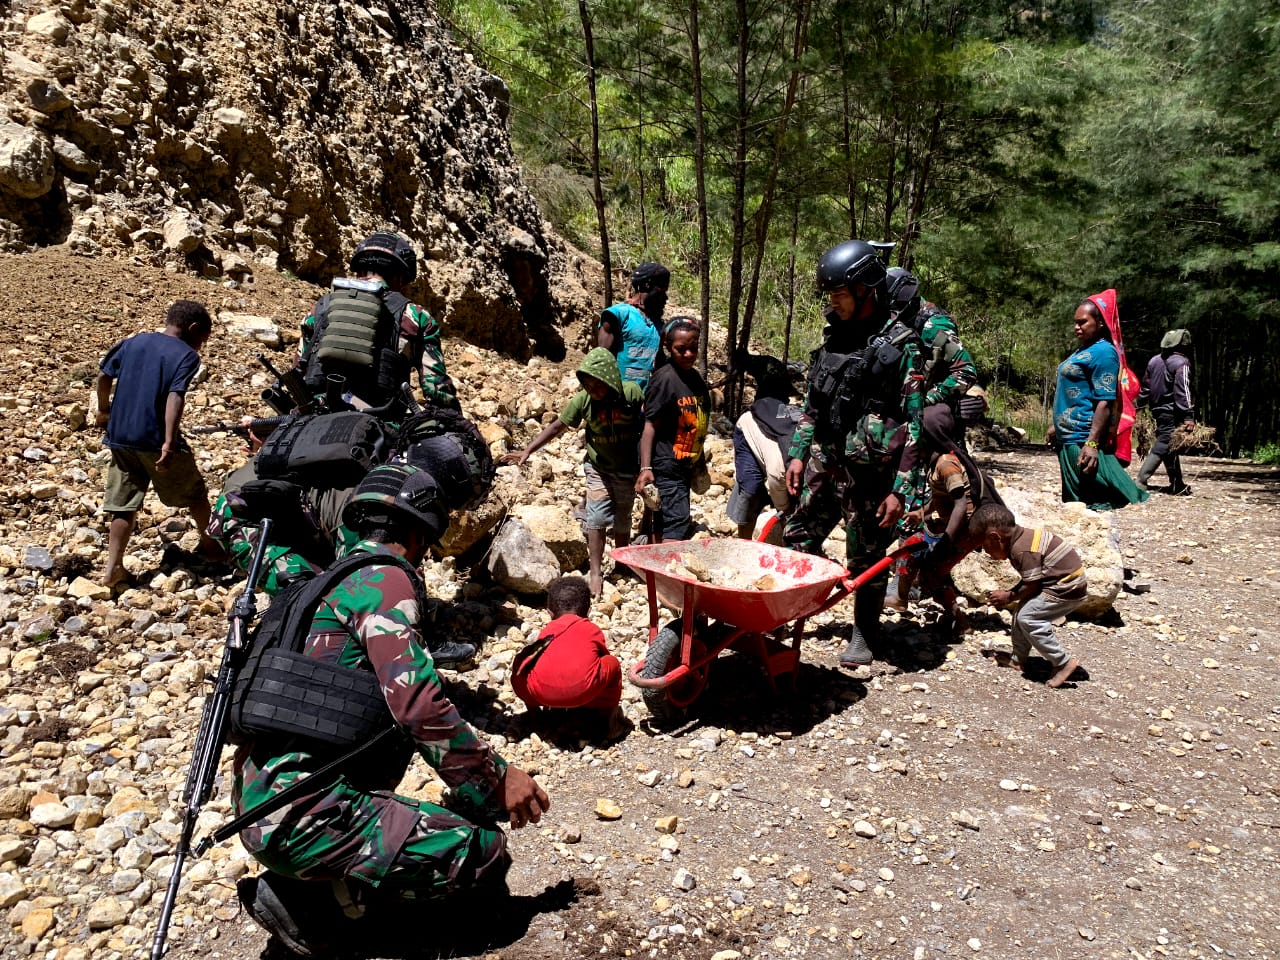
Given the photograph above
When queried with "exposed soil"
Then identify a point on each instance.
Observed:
(1132, 814)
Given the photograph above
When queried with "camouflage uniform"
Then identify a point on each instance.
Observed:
(281, 563)
(419, 344)
(948, 368)
(848, 476)
(357, 826)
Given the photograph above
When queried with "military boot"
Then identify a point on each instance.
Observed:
(868, 604)
(450, 653)
(298, 913)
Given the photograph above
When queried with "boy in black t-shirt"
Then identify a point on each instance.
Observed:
(677, 410)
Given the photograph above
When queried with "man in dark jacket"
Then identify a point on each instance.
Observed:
(1166, 388)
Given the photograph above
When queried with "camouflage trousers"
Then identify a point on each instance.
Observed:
(849, 492)
(388, 841)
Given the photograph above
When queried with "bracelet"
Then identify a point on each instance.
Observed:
(1091, 443)
(643, 469)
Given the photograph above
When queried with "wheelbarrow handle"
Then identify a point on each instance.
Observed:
(656, 683)
(910, 547)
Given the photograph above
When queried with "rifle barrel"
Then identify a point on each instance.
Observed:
(206, 754)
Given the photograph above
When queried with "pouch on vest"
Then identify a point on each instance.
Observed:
(282, 691)
(356, 336)
(323, 450)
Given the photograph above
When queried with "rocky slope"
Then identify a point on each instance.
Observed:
(931, 806)
(235, 137)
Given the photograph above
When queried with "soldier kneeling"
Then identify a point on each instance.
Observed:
(346, 827)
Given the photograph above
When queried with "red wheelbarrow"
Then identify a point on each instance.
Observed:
(750, 590)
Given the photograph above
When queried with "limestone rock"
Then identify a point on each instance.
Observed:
(182, 233)
(26, 162)
(249, 327)
(554, 525)
(521, 562)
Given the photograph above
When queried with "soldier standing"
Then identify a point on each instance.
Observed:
(355, 828)
(854, 453)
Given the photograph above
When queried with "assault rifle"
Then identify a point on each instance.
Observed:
(289, 394)
(260, 428)
(207, 751)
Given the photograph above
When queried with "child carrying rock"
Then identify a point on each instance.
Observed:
(569, 666)
(1052, 584)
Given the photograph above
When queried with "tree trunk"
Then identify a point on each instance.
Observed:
(799, 41)
(699, 166)
(597, 193)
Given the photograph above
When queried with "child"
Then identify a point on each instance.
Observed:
(153, 371)
(951, 503)
(569, 666)
(677, 407)
(1052, 584)
(611, 409)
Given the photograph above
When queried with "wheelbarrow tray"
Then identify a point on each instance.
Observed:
(802, 582)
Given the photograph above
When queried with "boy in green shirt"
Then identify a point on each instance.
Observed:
(610, 410)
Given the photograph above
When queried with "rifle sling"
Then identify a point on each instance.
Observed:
(288, 794)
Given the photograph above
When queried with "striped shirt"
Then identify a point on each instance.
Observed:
(1045, 558)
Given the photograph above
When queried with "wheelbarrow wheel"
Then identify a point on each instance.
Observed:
(670, 704)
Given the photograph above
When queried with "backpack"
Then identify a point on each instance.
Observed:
(323, 450)
(282, 692)
(356, 336)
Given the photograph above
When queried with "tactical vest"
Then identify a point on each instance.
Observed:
(357, 335)
(845, 387)
(283, 692)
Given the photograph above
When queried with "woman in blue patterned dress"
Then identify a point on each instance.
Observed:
(1085, 415)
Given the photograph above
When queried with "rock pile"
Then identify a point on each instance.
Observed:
(246, 136)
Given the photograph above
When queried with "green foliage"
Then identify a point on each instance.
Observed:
(1267, 453)
(1021, 156)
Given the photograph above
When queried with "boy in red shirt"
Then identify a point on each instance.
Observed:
(569, 666)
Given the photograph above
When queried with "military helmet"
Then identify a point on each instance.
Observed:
(398, 488)
(386, 251)
(462, 461)
(851, 264)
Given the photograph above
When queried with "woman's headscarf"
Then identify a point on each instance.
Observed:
(1129, 386)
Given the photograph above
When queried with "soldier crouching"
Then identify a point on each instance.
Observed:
(352, 827)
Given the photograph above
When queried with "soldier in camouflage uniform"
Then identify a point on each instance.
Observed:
(390, 259)
(285, 561)
(948, 368)
(854, 453)
(356, 828)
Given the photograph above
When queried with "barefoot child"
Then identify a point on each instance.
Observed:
(677, 408)
(1052, 584)
(610, 408)
(151, 373)
(569, 666)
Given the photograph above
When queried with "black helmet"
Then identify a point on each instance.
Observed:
(904, 293)
(849, 264)
(386, 251)
(399, 488)
(462, 462)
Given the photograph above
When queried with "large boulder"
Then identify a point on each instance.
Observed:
(554, 525)
(26, 161)
(1094, 535)
(520, 562)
